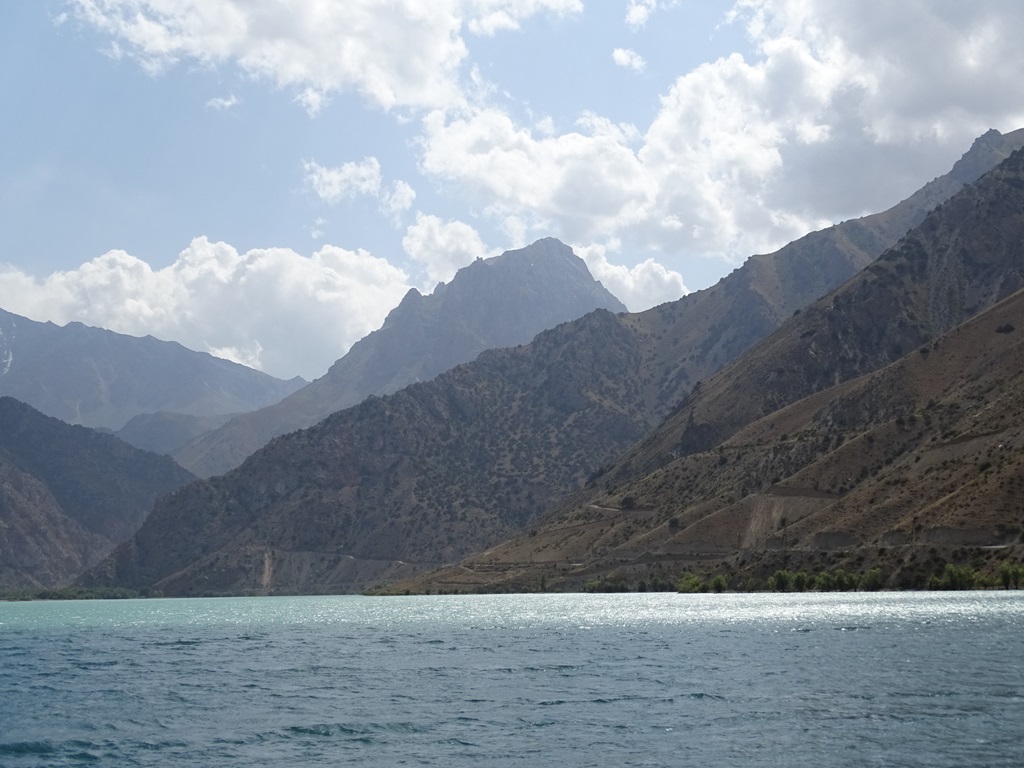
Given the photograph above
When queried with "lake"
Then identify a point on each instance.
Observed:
(838, 679)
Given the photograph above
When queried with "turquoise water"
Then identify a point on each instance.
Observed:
(914, 679)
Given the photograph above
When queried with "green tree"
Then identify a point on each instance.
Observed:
(955, 577)
(872, 581)
(1011, 574)
(688, 582)
(826, 582)
(780, 581)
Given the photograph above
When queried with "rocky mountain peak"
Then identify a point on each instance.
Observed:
(987, 151)
(503, 301)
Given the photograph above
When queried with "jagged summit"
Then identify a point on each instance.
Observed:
(988, 150)
(497, 302)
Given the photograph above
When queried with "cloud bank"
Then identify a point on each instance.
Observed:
(401, 54)
(743, 154)
(272, 309)
(834, 109)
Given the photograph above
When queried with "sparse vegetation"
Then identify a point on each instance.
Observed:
(75, 593)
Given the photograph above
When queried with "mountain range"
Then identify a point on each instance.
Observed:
(880, 416)
(98, 378)
(498, 302)
(441, 469)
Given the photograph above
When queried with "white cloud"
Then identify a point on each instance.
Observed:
(345, 181)
(638, 12)
(398, 200)
(223, 103)
(362, 179)
(841, 105)
(640, 287)
(629, 59)
(585, 180)
(442, 247)
(916, 69)
(489, 16)
(745, 155)
(402, 54)
(271, 308)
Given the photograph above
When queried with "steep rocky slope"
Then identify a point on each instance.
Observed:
(68, 494)
(778, 452)
(98, 378)
(443, 468)
(498, 302)
(905, 469)
(965, 256)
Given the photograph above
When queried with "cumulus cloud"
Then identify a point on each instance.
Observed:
(839, 106)
(273, 309)
(639, 11)
(345, 181)
(629, 59)
(640, 287)
(746, 154)
(586, 179)
(402, 54)
(442, 247)
(362, 179)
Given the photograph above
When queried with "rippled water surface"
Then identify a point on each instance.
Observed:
(911, 679)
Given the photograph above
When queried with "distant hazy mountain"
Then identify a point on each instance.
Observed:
(447, 467)
(68, 494)
(98, 378)
(498, 302)
(164, 432)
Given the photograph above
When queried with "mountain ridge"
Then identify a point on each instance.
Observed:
(397, 483)
(498, 302)
(98, 378)
(724, 472)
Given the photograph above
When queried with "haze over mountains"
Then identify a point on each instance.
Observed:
(496, 302)
(68, 494)
(444, 468)
(98, 378)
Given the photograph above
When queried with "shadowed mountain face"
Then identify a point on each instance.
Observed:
(876, 420)
(499, 302)
(443, 468)
(68, 494)
(99, 378)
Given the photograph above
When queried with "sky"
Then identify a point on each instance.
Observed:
(265, 179)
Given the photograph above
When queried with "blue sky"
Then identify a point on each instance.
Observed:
(264, 180)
